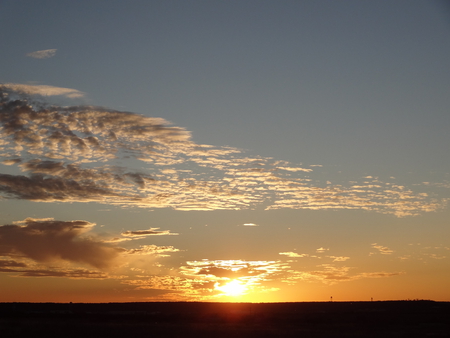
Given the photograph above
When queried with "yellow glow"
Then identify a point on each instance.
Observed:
(233, 288)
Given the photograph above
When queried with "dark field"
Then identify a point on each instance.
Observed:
(216, 320)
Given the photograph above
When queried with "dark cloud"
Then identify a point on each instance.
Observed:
(81, 131)
(9, 265)
(22, 270)
(41, 188)
(11, 161)
(79, 274)
(64, 182)
(47, 240)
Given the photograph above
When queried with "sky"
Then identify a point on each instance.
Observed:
(245, 151)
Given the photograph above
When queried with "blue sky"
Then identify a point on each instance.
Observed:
(339, 78)
(345, 101)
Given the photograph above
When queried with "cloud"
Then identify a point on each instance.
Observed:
(86, 133)
(370, 194)
(227, 273)
(160, 251)
(11, 161)
(48, 240)
(331, 274)
(49, 189)
(320, 250)
(49, 248)
(42, 54)
(145, 233)
(175, 288)
(293, 254)
(22, 269)
(76, 154)
(217, 270)
(382, 249)
(379, 274)
(295, 169)
(43, 90)
(72, 274)
(201, 280)
(10, 265)
(339, 258)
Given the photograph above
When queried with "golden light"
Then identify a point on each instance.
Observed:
(232, 289)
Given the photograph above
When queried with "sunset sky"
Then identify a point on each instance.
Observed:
(241, 150)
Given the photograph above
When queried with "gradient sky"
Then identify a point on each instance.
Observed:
(224, 150)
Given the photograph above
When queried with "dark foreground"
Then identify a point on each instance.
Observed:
(216, 320)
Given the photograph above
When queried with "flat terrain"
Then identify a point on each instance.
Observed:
(216, 320)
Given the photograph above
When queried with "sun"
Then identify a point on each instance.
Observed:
(233, 288)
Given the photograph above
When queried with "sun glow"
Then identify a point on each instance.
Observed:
(233, 288)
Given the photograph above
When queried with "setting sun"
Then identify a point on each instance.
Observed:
(232, 289)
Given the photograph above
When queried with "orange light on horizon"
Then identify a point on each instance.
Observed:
(232, 289)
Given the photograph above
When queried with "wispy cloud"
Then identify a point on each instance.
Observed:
(231, 268)
(293, 254)
(10, 265)
(160, 251)
(42, 54)
(331, 274)
(43, 90)
(339, 258)
(175, 288)
(11, 161)
(423, 253)
(72, 274)
(23, 269)
(382, 249)
(50, 189)
(70, 154)
(145, 233)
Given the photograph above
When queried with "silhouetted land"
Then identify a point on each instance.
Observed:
(332, 319)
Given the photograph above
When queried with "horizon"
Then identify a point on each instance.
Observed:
(230, 302)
